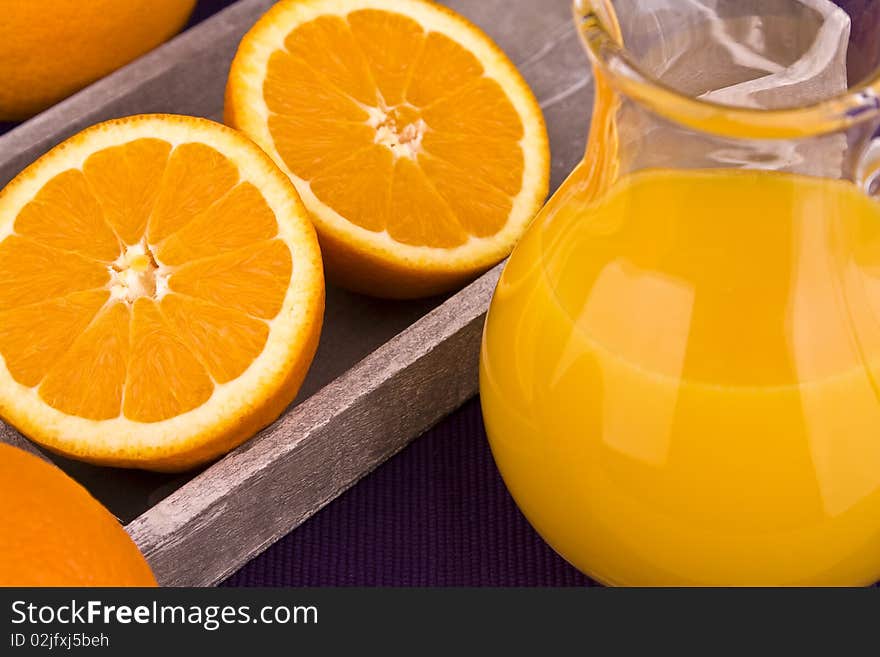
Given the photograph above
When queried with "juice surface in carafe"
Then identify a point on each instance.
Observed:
(679, 380)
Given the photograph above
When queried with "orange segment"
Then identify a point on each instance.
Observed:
(65, 215)
(481, 108)
(240, 218)
(351, 187)
(419, 215)
(498, 162)
(30, 272)
(226, 341)
(293, 88)
(480, 208)
(343, 66)
(419, 150)
(444, 68)
(253, 279)
(33, 338)
(390, 42)
(164, 378)
(126, 181)
(153, 349)
(195, 178)
(309, 147)
(88, 380)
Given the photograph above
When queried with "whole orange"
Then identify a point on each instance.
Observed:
(54, 533)
(52, 48)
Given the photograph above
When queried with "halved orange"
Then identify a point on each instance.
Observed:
(416, 145)
(161, 293)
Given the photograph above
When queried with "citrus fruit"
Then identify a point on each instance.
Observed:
(53, 533)
(161, 293)
(417, 147)
(52, 48)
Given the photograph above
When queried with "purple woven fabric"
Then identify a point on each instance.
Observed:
(437, 514)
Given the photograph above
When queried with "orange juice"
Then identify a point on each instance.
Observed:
(680, 379)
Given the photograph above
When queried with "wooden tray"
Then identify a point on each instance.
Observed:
(385, 371)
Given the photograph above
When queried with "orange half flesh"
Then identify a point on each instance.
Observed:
(416, 145)
(160, 294)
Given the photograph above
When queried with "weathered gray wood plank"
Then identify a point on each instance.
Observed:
(369, 393)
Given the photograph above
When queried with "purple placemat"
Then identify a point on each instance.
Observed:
(437, 514)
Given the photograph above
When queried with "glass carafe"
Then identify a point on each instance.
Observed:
(681, 363)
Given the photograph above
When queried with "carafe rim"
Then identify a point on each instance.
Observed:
(597, 27)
